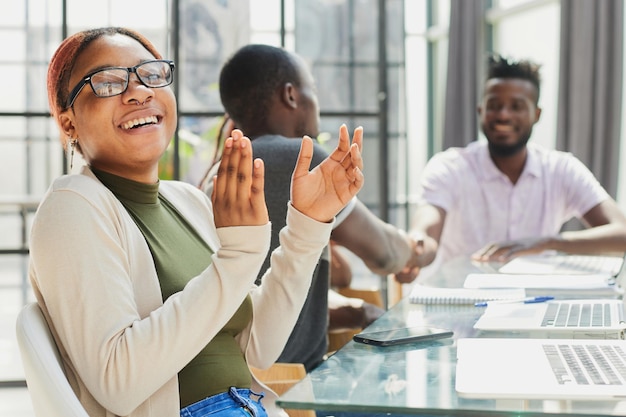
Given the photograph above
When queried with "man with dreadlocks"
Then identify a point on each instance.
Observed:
(506, 196)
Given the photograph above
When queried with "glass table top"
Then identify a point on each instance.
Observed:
(417, 378)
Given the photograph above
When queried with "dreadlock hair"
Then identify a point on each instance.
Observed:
(248, 81)
(500, 67)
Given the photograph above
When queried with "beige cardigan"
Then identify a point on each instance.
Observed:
(122, 347)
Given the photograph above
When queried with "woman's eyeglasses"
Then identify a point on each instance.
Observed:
(112, 81)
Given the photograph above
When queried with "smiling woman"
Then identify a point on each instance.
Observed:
(148, 285)
(115, 64)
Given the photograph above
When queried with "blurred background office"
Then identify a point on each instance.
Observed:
(409, 71)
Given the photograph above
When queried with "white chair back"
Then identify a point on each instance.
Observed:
(50, 392)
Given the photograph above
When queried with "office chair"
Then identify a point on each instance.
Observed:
(50, 392)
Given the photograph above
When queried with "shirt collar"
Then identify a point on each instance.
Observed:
(491, 172)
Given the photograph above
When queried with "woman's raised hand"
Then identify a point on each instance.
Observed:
(238, 194)
(322, 192)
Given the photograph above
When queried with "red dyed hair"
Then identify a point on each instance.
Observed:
(64, 59)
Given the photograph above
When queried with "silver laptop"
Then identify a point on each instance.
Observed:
(576, 319)
(546, 264)
(527, 369)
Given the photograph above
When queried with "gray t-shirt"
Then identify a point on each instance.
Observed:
(308, 342)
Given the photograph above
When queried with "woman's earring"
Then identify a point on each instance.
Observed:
(71, 145)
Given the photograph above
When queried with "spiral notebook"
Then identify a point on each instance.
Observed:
(421, 294)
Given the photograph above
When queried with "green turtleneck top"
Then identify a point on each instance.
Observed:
(180, 254)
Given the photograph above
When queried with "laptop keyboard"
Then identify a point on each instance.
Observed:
(577, 315)
(587, 364)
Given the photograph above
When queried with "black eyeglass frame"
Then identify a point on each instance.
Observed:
(87, 80)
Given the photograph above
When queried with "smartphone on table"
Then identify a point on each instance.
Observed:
(402, 335)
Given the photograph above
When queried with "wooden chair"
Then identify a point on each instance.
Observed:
(280, 377)
(395, 291)
(370, 295)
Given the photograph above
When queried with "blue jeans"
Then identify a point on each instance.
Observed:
(234, 403)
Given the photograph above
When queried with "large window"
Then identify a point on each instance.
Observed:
(392, 82)
(357, 58)
(339, 39)
(426, 45)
